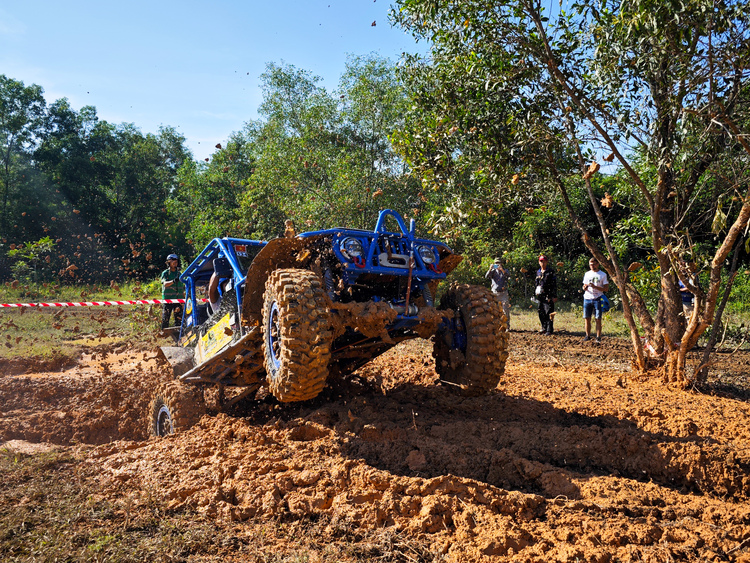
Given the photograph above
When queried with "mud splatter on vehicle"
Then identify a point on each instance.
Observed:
(297, 311)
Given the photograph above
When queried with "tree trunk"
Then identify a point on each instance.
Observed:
(701, 372)
(611, 266)
(706, 302)
(668, 328)
(6, 191)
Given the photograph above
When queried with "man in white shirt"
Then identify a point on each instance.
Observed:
(595, 283)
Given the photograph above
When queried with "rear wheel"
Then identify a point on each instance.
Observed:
(296, 335)
(175, 407)
(471, 353)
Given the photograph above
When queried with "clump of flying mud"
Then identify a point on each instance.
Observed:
(565, 461)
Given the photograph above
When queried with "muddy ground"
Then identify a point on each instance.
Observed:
(572, 458)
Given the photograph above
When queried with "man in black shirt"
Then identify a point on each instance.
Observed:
(546, 293)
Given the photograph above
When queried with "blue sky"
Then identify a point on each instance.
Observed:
(191, 65)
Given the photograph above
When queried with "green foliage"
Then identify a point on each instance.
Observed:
(471, 227)
(32, 260)
(515, 103)
(479, 132)
(647, 280)
(631, 234)
(22, 110)
(738, 301)
(468, 272)
(115, 201)
(99, 191)
(324, 160)
(476, 142)
(206, 203)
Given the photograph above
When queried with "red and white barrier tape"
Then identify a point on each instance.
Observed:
(98, 303)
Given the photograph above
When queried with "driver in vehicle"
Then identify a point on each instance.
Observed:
(217, 285)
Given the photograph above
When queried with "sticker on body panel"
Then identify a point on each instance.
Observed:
(217, 337)
(188, 340)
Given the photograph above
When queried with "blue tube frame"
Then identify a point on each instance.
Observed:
(373, 243)
(200, 269)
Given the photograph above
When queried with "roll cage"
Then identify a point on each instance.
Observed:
(238, 254)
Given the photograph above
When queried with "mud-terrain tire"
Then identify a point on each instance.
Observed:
(475, 361)
(175, 407)
(297, 334)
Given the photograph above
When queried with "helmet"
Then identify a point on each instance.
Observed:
(172, 257)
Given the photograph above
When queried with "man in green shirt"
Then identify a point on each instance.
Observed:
(171, 288)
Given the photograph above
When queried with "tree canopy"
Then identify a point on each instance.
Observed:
(527, 101)
(324, 159)
(115, 201)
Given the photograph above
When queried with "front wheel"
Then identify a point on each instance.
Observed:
(472, 348)
(175, 407)
(297, 335)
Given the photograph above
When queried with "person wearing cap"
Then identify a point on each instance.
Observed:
(171, 288)
(546, 293)
(498, 275)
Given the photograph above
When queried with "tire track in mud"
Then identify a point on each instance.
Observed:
(514, 442)
(235, 471)
(302, 467)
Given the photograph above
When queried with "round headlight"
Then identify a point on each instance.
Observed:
(426, 254)
(352, 247)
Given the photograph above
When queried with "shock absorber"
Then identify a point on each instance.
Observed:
(328, 281)
(408, 279)
(428, 295)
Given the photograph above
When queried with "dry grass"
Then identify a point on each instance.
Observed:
(50, 511)
(56, 334)
(568, 318)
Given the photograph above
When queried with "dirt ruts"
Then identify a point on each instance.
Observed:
(571, 458)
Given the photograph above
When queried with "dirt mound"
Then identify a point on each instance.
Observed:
(103, 398)
(569, 459)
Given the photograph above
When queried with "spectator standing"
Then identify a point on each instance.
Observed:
(687, 300)
(595, 284)
(171, 288)
(546, 293)
(498, 275)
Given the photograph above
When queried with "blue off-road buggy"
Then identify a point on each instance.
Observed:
(298, 310)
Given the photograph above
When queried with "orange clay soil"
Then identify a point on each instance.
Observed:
(572, 458)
